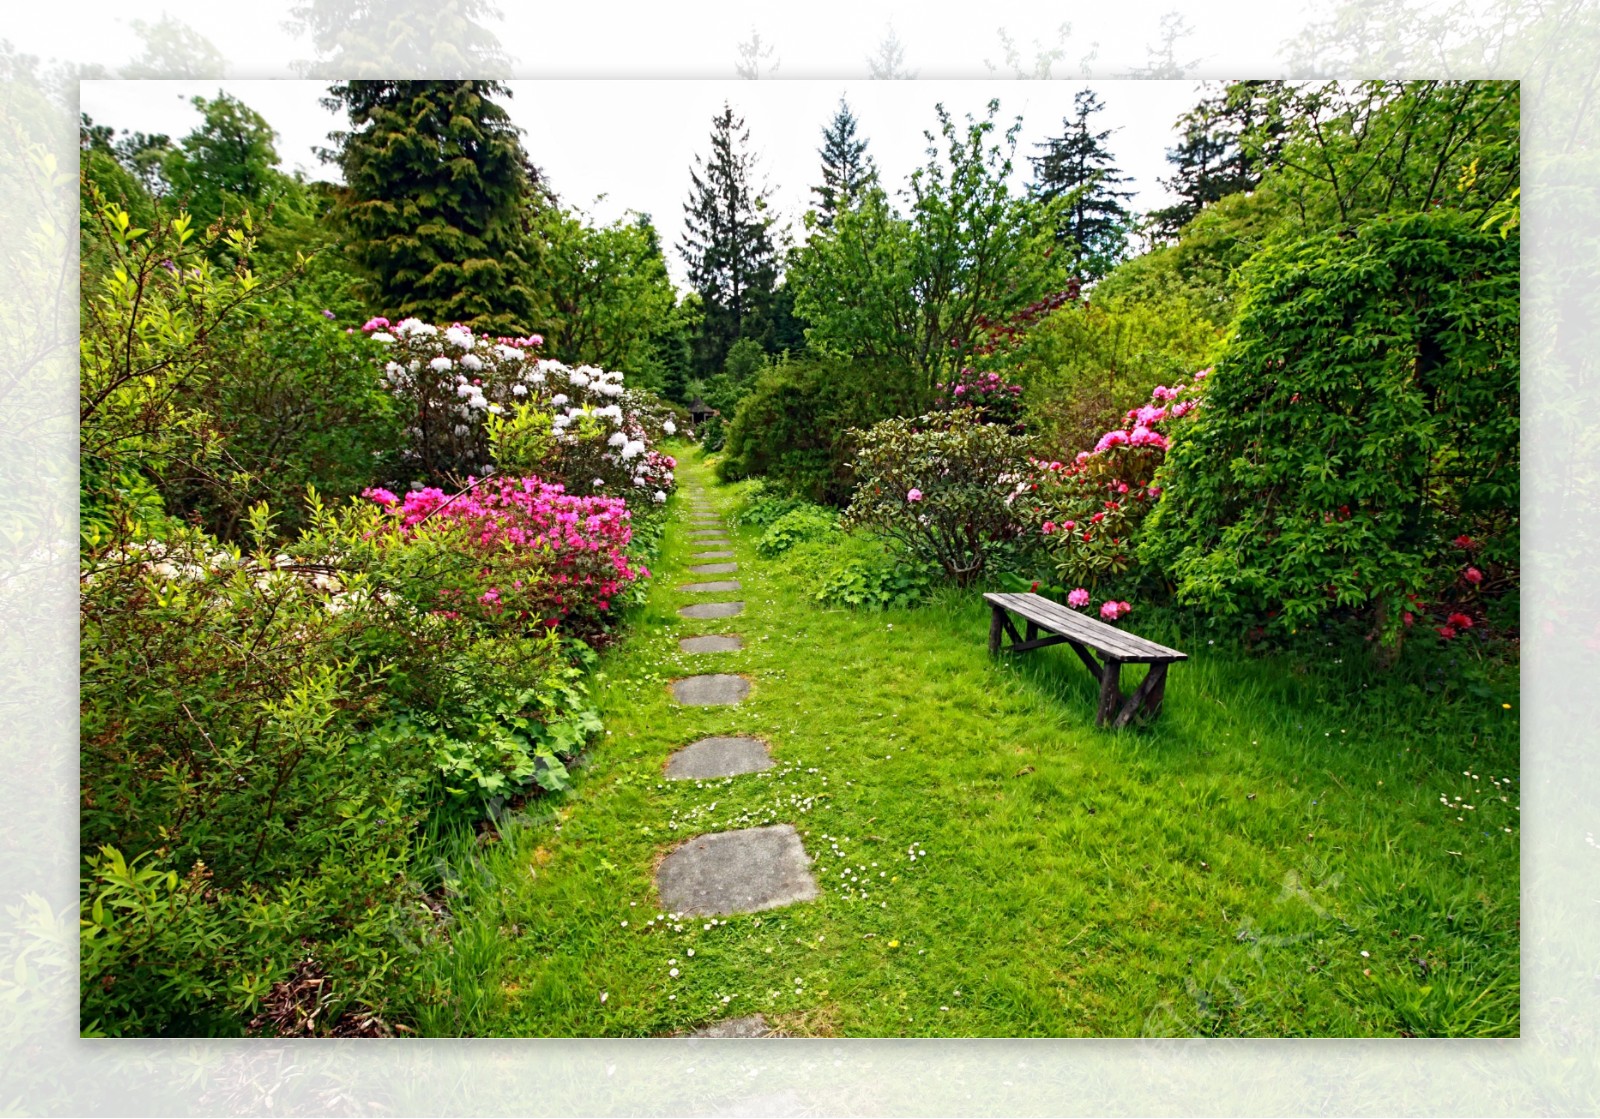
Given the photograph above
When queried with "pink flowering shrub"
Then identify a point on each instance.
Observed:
(987, 395)
(1094, 504)
(530, 554)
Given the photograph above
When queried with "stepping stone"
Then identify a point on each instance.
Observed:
(712, 587)
(707, 534)
(716, 690)
(718, 643)
(741, 871)
(752, 1026)
(713, 569)
(711, 555)
(711, 610)
(719, 757)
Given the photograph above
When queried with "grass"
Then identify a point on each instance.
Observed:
(1270, 858)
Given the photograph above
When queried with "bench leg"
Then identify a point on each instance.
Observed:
(997, 626)
(1154, 680)
(1110, 692)
(1152, 704)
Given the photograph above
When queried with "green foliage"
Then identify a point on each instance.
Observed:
(1086, 364)
(435, 186)
(871, 578)
(1364, 414)
(606, 287)
(296, 406)
(911, 291)
(793, 428)
(226, 165)
(152, 300)
(806, 522)
(948, 490)
(712, 433)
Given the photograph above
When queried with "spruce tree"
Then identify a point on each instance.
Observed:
(1077, 168)
(728, 244)
(1227, 143)
(847, 169)
(433, 207)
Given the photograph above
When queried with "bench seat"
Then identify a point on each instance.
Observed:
(1087, 636)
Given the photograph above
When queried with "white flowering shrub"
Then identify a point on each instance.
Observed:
(453, 381)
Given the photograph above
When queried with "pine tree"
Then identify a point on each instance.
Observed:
(847, 169)
(1228, 141)
(1077, 168)
(890, 64)
(728, 244)
(436, 183)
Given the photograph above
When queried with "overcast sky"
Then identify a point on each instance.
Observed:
(609, 147)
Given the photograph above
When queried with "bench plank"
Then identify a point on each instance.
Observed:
(1110, 641)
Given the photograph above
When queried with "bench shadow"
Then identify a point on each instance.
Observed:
(1056, 673)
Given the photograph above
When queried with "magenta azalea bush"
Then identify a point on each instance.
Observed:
(987, 395)
(539, 555)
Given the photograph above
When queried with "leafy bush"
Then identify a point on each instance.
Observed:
(988, 396)
(1085, 365)
(764, 503)
(1358, 451)
(948, 490)
(808, 522)
(793, 429)
(876, 580)
(713, 435)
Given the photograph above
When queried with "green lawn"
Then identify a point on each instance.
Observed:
(1271, 858)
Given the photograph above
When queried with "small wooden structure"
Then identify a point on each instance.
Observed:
(700, 411)
(1083, 633)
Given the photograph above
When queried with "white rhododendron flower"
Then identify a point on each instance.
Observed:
(472, 362)
(633, 448)
(459, 335)
(660, 497)
(442, 364)
(617, 439)
(670, 428)
(383, 336)
(559, 399)
(519, 390)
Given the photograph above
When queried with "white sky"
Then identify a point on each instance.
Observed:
(613, 146)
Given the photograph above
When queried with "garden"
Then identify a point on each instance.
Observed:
(453, 578)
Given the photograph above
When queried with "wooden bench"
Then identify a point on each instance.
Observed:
(1083, 633)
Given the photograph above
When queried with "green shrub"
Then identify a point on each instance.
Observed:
(878, 580)
(712, 433)
(808, 522)
(948, 490)
(1358, 449)
(794, 427)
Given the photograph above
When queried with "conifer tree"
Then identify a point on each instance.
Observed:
(433, 207)
(1226, 144)
(728, 243)
(847, 169)
(1077, 168)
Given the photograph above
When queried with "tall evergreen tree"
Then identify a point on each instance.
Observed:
(728, 243)
(1227, 142)
(1077, 168)
(433, 207)
(847, 169)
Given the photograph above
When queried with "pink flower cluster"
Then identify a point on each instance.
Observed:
(1111, 611)
(543, 553)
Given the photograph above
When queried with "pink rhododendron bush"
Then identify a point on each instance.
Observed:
(530, 554)
(1093, 505)
(477, 402)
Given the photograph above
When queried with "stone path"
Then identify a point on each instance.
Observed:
(744, 871)
(749, 869)
(719, 757)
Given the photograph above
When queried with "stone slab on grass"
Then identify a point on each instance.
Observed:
(711, 555)
(716, 643)
(742, 871)
(753, 1025)
(711, 610)
(713, 690)
(712, 587)
(707, 533)
(719, 757)
(713, 569)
